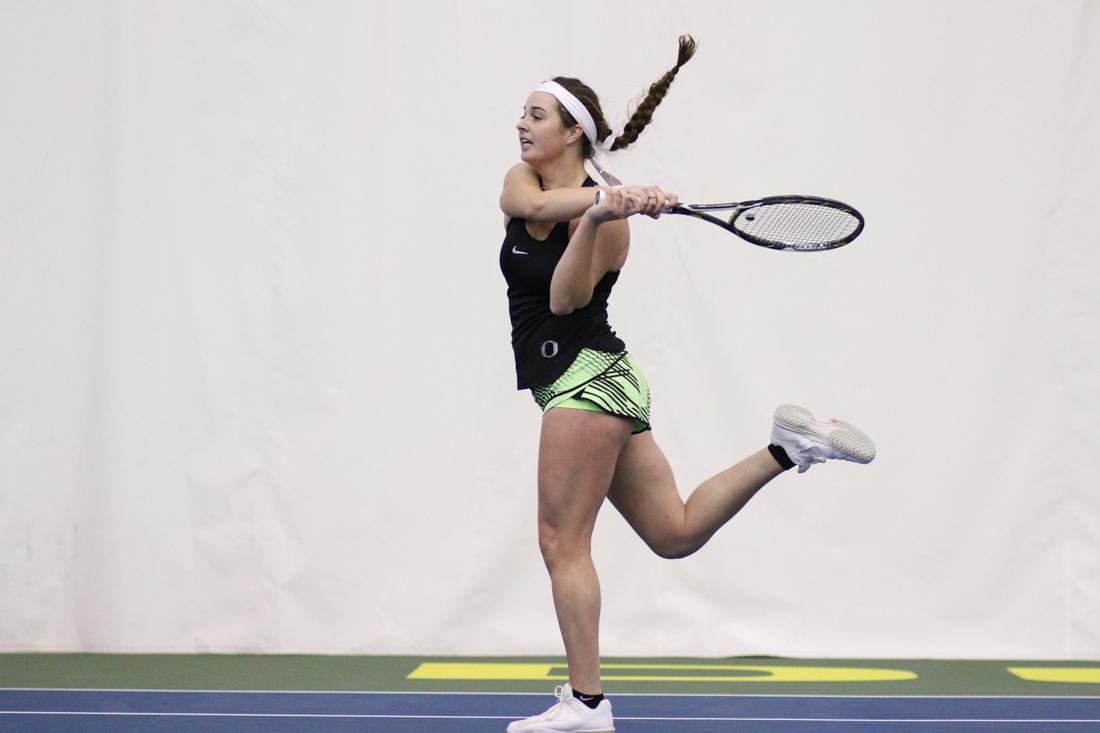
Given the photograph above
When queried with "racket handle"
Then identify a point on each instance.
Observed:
(599, 197)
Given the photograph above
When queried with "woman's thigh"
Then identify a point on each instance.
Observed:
(578, 452)
(644, 491)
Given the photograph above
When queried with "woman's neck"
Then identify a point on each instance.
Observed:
(562, 173)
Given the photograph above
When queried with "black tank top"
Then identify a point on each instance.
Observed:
(544, 344)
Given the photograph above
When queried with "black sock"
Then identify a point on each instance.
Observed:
(590, 700)
(780, 457)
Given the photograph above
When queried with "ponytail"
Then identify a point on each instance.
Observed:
(657, 91)
(641, 117)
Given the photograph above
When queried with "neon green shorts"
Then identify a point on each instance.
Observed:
(600, 381)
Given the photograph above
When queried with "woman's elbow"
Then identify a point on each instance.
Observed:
(561, 307)
(533, 210)
(520, 209)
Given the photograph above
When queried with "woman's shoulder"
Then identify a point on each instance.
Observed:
(521, 172)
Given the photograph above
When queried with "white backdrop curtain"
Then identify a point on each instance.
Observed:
(256, 392)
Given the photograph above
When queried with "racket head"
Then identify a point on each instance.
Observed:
(792, 223)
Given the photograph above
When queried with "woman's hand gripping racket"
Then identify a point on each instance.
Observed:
(789, 223)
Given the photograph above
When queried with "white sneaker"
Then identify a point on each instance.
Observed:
(568, 714)
(808, 440)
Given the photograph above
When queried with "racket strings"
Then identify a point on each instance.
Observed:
(796, 225)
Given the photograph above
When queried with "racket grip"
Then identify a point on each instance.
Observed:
(599, 197)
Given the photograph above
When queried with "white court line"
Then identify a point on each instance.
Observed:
(998, 721)
(550, 694)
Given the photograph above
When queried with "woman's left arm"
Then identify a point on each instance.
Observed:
(599, 240)
(593, 248)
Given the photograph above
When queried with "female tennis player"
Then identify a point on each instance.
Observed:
(561, 257)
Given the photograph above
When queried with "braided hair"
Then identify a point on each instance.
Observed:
(642, 116)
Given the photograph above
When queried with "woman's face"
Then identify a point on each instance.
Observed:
(542, 136)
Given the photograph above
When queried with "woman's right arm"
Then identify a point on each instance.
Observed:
(522, 198)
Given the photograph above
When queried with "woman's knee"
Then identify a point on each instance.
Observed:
(559, 547)
(676, 545)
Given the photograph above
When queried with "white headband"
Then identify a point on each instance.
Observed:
(580, 113)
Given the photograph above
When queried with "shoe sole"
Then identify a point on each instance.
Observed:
(842, 437)
(582, 730)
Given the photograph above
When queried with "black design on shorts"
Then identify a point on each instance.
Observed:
(614, 388)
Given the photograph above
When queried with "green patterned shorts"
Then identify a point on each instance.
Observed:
(600, 381)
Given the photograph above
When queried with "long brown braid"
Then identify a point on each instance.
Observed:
(642, 115)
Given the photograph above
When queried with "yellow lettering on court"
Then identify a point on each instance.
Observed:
(1057, 674)
(658, 672)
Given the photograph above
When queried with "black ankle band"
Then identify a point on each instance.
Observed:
(781, 457)
(591, 701)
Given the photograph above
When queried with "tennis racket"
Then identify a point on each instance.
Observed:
(788, 223)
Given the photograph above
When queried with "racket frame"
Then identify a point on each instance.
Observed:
(699, 211)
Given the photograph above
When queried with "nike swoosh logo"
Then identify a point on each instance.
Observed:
(518, 251)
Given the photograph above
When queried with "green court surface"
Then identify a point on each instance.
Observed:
(725, 676)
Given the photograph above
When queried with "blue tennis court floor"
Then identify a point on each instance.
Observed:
(126, 711)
